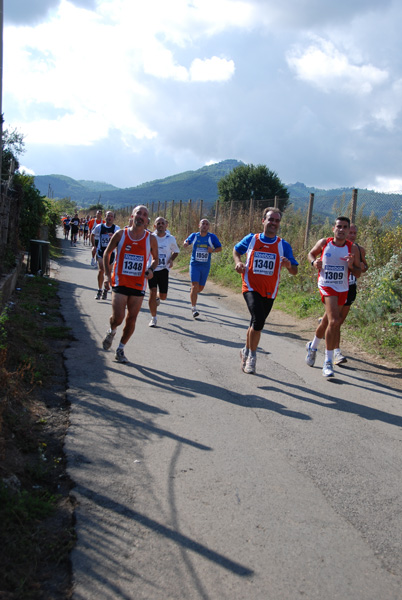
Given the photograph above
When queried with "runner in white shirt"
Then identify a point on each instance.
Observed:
(100, 237)
(168, 251)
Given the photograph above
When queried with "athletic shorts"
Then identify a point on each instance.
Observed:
(199, 274)
(160, 280)
(259, 308)
(327, 291)
(127, 291)
(100, 256)
(351, 294)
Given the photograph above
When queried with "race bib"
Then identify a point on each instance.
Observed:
(133, 265)
(104, 239)
(201, 255)
(264, 263)
(162, 260)
(334, 275)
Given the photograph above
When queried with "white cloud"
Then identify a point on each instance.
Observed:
(330, 70)
(387, 184)
(212, 69)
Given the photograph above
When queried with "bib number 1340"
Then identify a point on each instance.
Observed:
(264, 263)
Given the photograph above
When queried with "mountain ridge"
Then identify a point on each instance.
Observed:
(202, 184)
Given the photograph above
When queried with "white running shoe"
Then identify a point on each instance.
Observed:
(152, 322)
(195, 313)
(250, 364)
(120, 356)
(311, 354)
(243, 359)
(93, 262)
(328, 370)
(108, 340)
(339, 359)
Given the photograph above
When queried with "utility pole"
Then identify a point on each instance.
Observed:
(1, 84)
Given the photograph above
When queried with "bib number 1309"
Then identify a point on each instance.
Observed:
(133, 265)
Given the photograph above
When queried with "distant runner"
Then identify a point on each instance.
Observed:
(104, 232)
(204, 243)
(168, 250)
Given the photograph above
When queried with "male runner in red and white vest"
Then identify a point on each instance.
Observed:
(133, 245)
(334, 258)
(266, 255)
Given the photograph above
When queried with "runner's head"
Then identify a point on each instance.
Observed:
(109, 218)
(140, 216)
(160, 225)
(341, 229)
(204, 225)
(352, 233)
(271, 220)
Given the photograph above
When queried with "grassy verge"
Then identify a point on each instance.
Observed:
(35, 511)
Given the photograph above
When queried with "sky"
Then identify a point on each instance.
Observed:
(126, 92)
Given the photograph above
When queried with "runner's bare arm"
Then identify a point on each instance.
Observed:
(106, 257)
(240, 267)
(149, 273)
(354, 262)
(315, 252)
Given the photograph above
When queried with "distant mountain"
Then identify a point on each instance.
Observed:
(200, 184)
(203, 184)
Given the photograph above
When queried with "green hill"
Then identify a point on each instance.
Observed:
(200, 184)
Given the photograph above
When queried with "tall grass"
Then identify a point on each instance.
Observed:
(376, 316)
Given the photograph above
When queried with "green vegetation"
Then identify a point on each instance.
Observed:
(36, 533)
(374, 319)
(248, 181)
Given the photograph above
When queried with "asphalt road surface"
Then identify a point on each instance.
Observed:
(197, 481)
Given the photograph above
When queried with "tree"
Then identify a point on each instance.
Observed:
(249, 181)
(13, 147)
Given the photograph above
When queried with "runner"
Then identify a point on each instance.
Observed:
(168, 250)
(74, 224)
(266, 255)
(134, 245)
(204, 243)
(86, 230)
(92, 224)
(338, 356)
(104, 233)
(66, 224)
(334, 258)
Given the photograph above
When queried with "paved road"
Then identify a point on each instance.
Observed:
(196, 481)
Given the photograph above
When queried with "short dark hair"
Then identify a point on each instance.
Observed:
(271, 209)
(343, 219)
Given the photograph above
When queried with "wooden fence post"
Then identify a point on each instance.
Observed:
(276, 202)
(189, 217)
(354, 206)
(251, 214)
(172, 213)
(230, 216)
(201, 208)
(309, 217)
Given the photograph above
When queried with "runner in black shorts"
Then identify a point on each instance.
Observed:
(167, 252)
